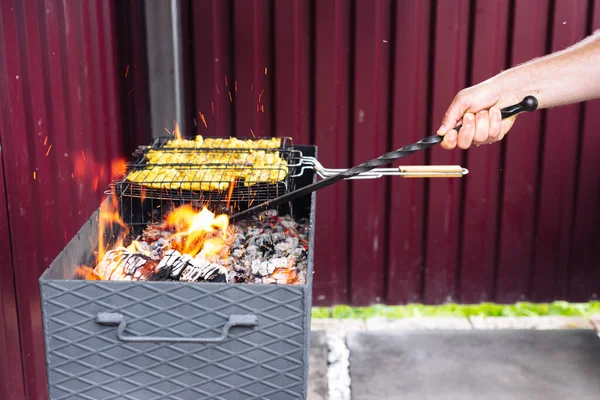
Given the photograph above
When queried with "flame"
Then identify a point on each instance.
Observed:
(199, 231)
(86, 273)
(176, 132)
(107, 219)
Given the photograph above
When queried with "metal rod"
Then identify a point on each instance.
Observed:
(178, 65)
(528, 104)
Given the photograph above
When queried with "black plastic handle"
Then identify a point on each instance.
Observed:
(528, 104)
(112, 319)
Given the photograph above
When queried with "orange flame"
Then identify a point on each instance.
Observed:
(199, 231)
(110, 224)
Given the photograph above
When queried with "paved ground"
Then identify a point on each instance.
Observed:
(475, 365)
(494, 359)
(317, 375)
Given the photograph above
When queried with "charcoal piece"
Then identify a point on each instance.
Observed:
(133, 262)
(252, 250)
(191, 273)
(278, 237)
(237, 253)
(265, 241)
(255, 267)
(213, 271)
(173, 259)
(292, 242)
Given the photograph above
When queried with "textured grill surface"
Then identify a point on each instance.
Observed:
(86, 360)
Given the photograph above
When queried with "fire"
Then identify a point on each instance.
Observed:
(199, 231)
(111, 227)
(195, 232)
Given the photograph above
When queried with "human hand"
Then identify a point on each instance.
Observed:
(477, 108)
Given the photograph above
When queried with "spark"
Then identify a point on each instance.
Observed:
(212, 104)
(257, 108)
(48, 152)
(203, 120)
(262, 108)
(235, 85)
(131, 91)
(83, 155)
(226, 84)
(34, 175)
(230, 98)
(266, 70)
(126, 70)
(168, 131)
(45, 140)
(95, 184)
(260, 95)
(218, 91)
(72, 175)
(252, 133)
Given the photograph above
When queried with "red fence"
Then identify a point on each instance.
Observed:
(357, 78)
(60, 129)
(361, 77)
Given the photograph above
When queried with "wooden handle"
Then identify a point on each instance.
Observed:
(432, 171)
(431, 168)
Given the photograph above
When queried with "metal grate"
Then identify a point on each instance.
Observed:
(227, 173)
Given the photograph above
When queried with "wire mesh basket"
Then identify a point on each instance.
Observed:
(222, 173)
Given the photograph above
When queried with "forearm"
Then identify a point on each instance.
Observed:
(565, 77)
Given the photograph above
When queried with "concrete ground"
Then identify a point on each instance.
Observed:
(453, 358)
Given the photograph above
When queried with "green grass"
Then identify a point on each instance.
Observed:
(557, 308)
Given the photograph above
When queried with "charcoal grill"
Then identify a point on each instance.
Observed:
(174, 340)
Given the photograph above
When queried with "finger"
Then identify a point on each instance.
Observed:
(455, 112)
(482, 127)
(465, 136)
(449, 141)
(495, 123)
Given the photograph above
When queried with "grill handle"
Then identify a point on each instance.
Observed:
(528, 104)
(114, 319)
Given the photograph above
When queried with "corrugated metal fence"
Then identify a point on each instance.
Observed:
(357, 78)
(361, 77)
(60, 130)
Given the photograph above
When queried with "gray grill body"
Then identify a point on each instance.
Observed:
(172, 340)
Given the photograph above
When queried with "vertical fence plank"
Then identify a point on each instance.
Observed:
(22, 199)
(58, 70)
(443, 227)
(11, 368)
(521, 165)
(212, 63)
(132, 68)
(291, 69)
(332, 113)
(409, 124)
(371, 87)
(253, 100)
(479, 245)
(558, 171)
(584, 275)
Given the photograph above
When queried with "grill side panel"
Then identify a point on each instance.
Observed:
(86, 360)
